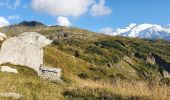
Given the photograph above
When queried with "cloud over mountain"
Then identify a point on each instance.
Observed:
(63, 21)
(107, 30)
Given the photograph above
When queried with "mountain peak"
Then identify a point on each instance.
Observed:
(146, 30)
(31, 23)
(132, 24)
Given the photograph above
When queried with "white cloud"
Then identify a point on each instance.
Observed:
(107, 30)
(62, 7)
(3, 22)
(100, 9)
(10, 5)
(14, 17)
(63, 21)
(118, 31)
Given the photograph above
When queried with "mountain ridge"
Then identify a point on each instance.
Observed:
(31, 23)
(148, 31)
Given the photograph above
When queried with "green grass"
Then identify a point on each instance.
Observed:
(29, 85)
(32, 87)
(83, 57)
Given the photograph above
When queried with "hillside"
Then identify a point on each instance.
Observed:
(94, 66)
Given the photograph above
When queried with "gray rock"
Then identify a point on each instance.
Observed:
(51, 74)
(27, 50)
(8, 69)
(166, 74)
(11, 95)
(150, 59)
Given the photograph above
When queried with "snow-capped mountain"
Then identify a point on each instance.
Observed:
(150, 31)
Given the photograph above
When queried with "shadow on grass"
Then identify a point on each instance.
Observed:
(98, 94)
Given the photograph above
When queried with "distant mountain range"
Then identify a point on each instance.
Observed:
(148, 31)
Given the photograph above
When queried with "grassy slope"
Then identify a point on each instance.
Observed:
(28, 84)
(32, 87)
(88, 76)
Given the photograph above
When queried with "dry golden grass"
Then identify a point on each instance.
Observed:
(32, 87)
(119, 89)
(28, 84)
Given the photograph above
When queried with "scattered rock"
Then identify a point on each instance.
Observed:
(162, 63)
(150, 59)
(73, 56)
(110, 64)
(51, 74)
(2, 36)
(166, 74)
(11, 95)
(8, 69)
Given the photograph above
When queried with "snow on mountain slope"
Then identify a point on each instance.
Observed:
(125, 30)
(150, 31)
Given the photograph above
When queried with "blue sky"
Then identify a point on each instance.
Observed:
(91, 14)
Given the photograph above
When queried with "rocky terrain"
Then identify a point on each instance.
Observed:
(93, 66)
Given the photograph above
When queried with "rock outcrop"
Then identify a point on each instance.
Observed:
(50, 74)
(150, 59)
(8, 69)
(26, 50)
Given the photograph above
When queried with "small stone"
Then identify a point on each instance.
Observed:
(11, 95)
(8, 69)
(110, 64)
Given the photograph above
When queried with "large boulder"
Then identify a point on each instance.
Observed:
(2, 36)
(25, 49)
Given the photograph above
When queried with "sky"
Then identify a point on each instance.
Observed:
(93, 15)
